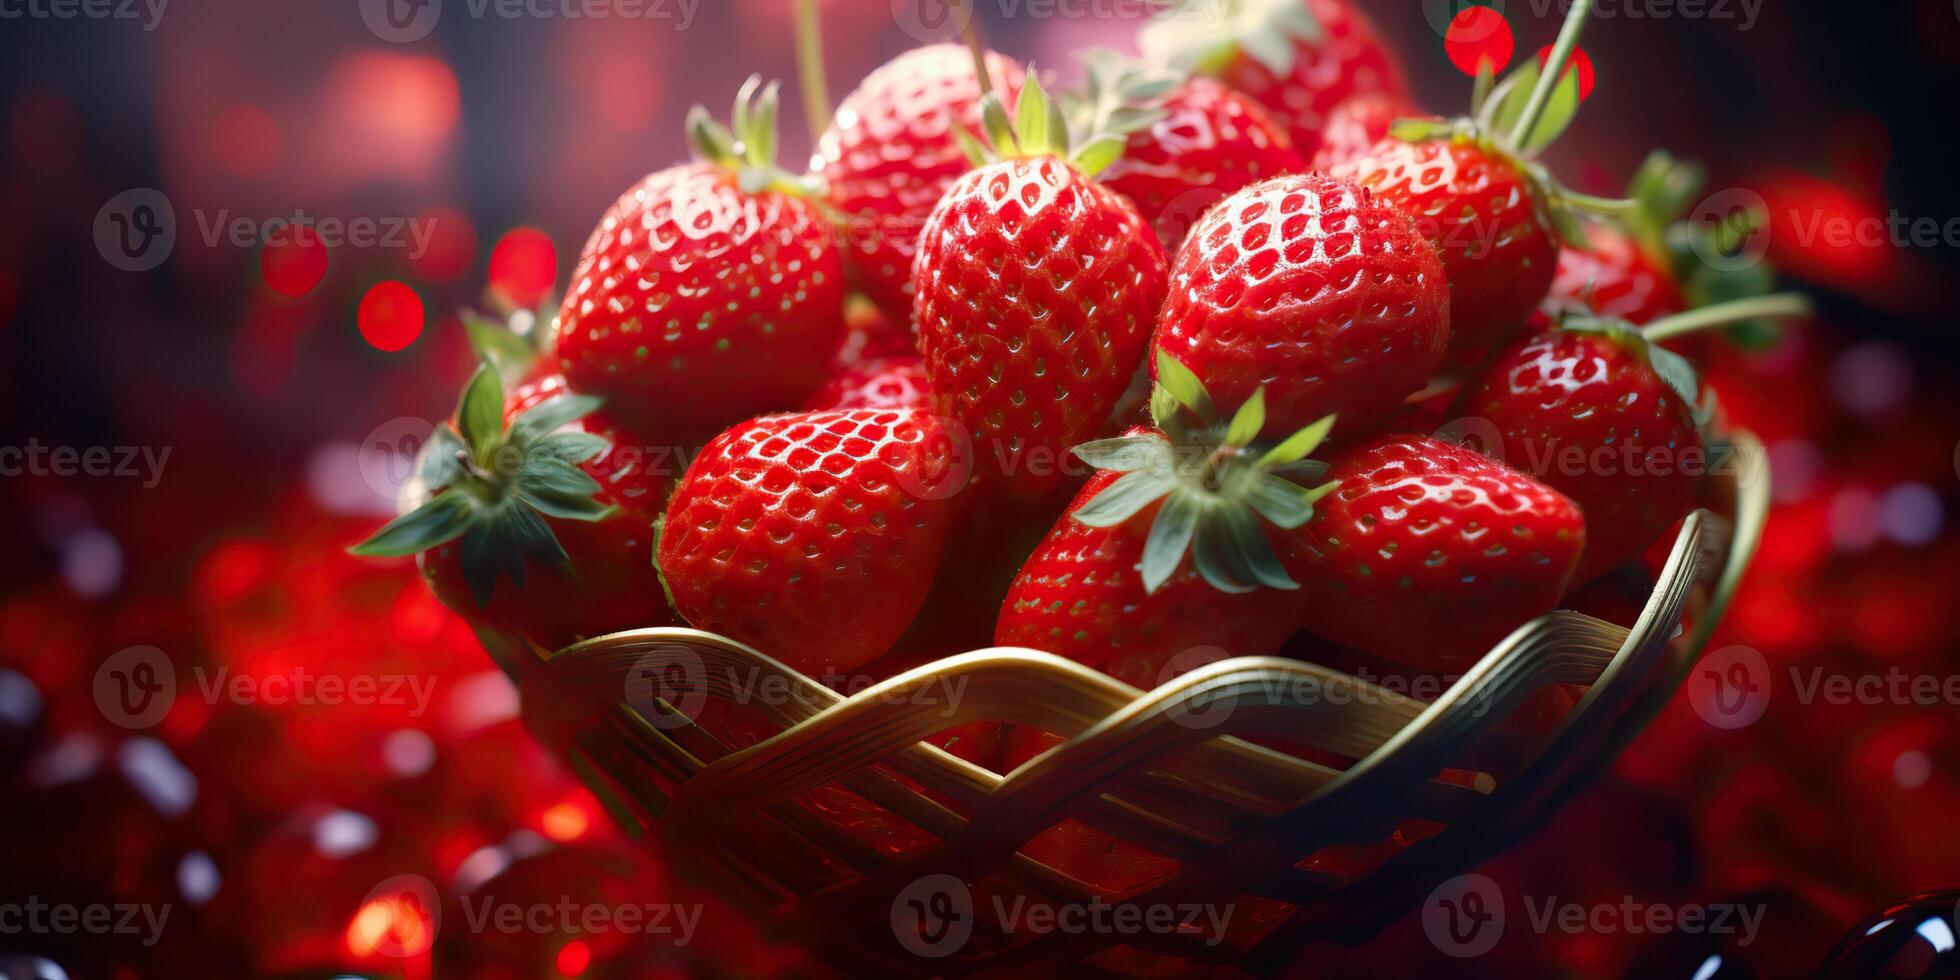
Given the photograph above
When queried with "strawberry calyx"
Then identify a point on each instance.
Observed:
(1520, 117)
(1216, 480)
(1203, 36)
(747, 148)
(1122, 96)
(492, 485)
(1674, 370)
(1037, 128)
(516, 343)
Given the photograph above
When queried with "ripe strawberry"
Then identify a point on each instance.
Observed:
(1599, 411)
(886, 382)
(1036, 288)
(1315, 289)
(869, 334)
(1109, 586)
(890, 154)
(1475, 188)
(1188, 145)
(709, 292)
(1355, 126)
(1614, 277)
(534, 525)
(812, 537)
(1299, 58)
(1429, 553)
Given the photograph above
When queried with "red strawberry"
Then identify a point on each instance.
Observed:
(1300, 58)
(887, 382)
(1083, 595)
(1355, 126)
(710, 292)
(870, 334)
(1475, 188)
(812, 537)
(1037, 288)
(1110, 587)
(1315, 289)
(1614, 277)
(1599, 412)
(534, 524)
(1429, 553)
(890, 154)
(1188, 144)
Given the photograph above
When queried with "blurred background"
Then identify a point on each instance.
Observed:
(247, 401)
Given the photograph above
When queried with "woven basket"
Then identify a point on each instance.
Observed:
(1162, 769)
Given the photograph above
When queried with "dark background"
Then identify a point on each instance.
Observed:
(490, 125)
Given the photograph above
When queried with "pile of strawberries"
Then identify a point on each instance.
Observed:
(1145, 370)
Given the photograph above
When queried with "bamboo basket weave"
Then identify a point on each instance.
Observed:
(1165, 769)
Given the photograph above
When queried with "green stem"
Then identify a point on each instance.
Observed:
(971, 34)
(1774, 305)
(1480, 91)
(1618, 207)
(809, 68)
(1541, 94)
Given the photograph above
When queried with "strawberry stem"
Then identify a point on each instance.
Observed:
(809, 67)
(1724, 314)
(1541, 94)
(971, 35)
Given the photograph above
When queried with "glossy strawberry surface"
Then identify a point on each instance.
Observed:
(1037, 290)
(1349, 60)
(1429, 553)
(609, 583)
(885, 382)
(1588, 415)
(1355, 126)
(1487, 218)
(812, 537)
(697, 304)
(1211, 141)
(1614, 277)
(1081, 595)
(890, 154)
(1314, 289)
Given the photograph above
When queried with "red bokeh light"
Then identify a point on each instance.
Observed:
(391, 316)
(451, 247)
(524, 265)
(1581, 63)
(294, 261)
(1477, 35)
(573, 958)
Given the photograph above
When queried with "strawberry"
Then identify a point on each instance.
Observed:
(1477, 191)
(1037, 288)
(890, 153)
(1429, 553)
(1314, 288)
(1649, 265)
(1109, 586)
(1188, 144)
(711, 291)
(1599, 411)
(870, 334)
(1299, 58)
(885, 382)
(533, 524)
(1355, 126)
(812, 537)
